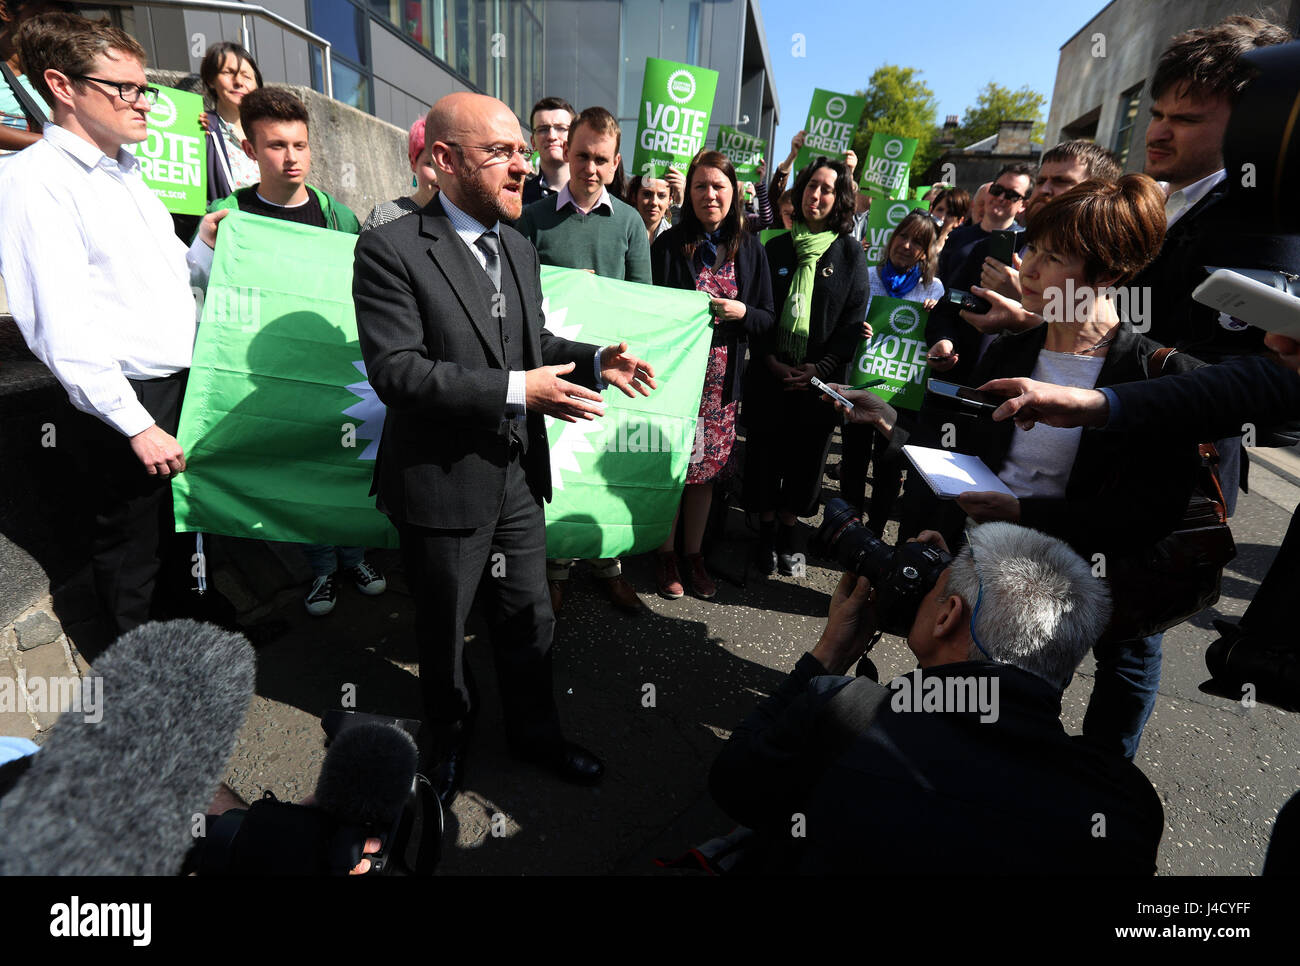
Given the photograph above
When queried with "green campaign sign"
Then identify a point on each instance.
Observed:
(743, 150)
(892, 363)
(885, 169)
(173, 158)
(676, 101)
(832, 119)
(882, 219)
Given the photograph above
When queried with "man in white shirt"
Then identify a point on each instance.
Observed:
(102, 292)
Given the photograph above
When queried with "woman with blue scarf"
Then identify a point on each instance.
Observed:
(907, 272)
(820, 289)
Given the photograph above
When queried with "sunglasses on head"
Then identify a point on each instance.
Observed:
(997, 191)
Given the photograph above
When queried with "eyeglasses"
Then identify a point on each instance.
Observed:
(549, 128)
(497, 153)
(127, 91)
(997, 191)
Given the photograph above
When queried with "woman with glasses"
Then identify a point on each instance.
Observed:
(424, 179)
(710, 251)
(228, 73)
(820, 289)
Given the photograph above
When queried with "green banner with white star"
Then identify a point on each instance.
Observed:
(280, 427)
(617, 480)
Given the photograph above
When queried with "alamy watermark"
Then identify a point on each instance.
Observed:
(71, 694)
(958, 694)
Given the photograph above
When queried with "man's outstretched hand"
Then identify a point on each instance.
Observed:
(1042, 402)
(627, 372)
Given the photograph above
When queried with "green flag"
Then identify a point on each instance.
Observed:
(882, 219)
(676, 101)
(893, 364)
(743, 150)
(884, 170)
(832, 119)
(173, 157)
(617, 480)
(280, 427)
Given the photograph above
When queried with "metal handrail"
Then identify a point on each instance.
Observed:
(245, 12)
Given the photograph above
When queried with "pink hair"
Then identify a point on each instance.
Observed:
(415, 141)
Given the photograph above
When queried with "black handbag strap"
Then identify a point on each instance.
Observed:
(35, 116)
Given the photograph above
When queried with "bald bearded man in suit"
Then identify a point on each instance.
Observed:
(449, 311)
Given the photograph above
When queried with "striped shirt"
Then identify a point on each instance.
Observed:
(97, 280)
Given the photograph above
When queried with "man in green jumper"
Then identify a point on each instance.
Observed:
(586, 227)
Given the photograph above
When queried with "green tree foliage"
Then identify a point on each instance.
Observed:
(995, 104)
(899, 102)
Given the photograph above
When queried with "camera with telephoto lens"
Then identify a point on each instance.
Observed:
(901, 575)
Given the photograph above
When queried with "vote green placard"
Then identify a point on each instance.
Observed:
(676, 101)
(743, 150)
(173, 157)
(892, 363)
(882, 219)
(832, 119)
(884, 170)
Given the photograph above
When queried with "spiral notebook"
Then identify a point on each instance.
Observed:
(951, 474)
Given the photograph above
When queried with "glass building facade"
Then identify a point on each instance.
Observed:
(496, 45)
(393, 58)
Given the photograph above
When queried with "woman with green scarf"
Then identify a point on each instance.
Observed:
(820, 287)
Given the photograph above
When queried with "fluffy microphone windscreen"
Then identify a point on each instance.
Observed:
(119, 795)
(366, 776)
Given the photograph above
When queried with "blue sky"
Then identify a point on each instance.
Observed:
(958, 46)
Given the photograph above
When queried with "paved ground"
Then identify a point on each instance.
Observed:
(655, 696)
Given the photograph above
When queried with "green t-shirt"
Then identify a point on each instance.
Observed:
(11, 112)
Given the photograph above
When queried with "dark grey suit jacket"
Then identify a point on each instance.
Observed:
(433, 356)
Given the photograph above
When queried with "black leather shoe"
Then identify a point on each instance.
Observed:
(449, 752)
(571, 762)
(788, 558)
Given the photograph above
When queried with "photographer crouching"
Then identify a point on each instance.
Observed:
(961, 767)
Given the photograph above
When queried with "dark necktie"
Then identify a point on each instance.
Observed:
(487, 244)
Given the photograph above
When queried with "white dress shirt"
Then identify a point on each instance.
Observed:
(469, 229)
(1177, 203)
(97, 280)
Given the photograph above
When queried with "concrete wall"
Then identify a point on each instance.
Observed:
(1134, 34)
(356, 157)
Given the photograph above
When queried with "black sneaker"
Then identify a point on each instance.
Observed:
(321, 598)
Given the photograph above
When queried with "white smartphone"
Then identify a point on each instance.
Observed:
(818, 384)
(1251, 301)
